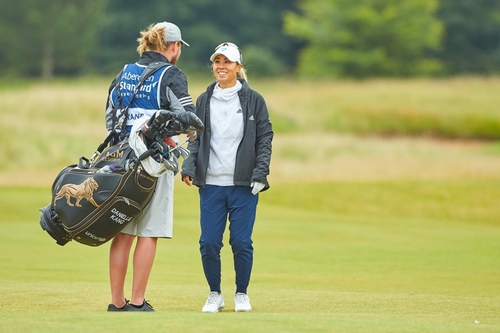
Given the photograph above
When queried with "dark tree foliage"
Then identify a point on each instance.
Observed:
(74, 37)
(256, 26)
(472, 36)
(44, 38)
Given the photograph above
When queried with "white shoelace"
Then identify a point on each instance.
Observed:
(212, 298)
(241, 298)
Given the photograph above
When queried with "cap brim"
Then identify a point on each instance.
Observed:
(225, 55)
(212, 57)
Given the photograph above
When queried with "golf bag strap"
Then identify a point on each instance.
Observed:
(120, 101)
(150, 70)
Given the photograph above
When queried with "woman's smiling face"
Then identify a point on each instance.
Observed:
(225, 71)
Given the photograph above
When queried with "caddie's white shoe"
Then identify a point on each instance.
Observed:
(214, 303)
(242, 303)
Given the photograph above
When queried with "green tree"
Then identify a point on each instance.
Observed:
(41, 38)
(255, 25)
(366, 37)
(472, 36)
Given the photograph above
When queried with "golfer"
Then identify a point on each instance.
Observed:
(229, 163)
(161, 42)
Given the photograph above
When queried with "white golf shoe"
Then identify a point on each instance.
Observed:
(242, 303)
(214, 303)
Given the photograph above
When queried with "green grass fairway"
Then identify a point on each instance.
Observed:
(401, 256)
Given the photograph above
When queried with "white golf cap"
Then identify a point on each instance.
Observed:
(172, 32)
(230, 50)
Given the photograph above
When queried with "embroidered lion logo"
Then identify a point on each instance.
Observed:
(80, 191)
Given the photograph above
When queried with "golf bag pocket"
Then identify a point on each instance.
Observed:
(118, 213)
(119, 156)
(91, 207)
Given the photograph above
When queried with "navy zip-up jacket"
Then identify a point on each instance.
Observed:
(253, 157)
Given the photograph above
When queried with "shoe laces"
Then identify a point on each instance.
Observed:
(127, 302)
(241, 298)
(146, 303)
(212, 298)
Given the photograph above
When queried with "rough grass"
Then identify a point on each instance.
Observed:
(453, 108)
(44, 126)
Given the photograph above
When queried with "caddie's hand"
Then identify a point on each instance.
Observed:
(256, 187)
(188, 180)
(192, 136)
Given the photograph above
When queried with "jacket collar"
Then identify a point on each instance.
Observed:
(151, 56)
(242, 93)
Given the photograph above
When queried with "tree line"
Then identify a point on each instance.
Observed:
(309, 38)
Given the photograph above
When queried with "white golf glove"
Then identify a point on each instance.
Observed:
(256, 187)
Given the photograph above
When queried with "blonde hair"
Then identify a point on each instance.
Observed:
(152, 40)
(242, 74)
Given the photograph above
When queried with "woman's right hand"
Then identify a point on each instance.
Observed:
(188, 180)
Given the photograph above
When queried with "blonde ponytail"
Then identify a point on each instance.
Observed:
(152, 40)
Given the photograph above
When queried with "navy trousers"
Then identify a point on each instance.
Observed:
(218, 204)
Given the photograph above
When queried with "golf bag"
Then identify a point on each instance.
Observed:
(91, 206)
(95, 199)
